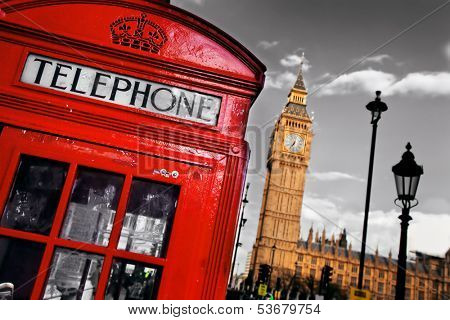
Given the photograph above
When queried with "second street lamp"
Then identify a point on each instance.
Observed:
(241, 225)
(376, 107)
(407, 174)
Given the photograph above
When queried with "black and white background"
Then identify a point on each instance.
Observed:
(352, 48)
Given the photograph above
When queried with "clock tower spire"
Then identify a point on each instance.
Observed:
(288, 159)
(298, 93)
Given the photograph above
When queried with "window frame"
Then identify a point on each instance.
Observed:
(9, 165)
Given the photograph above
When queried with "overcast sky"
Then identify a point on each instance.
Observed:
(411, 67)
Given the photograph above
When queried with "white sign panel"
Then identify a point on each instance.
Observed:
(115, 88)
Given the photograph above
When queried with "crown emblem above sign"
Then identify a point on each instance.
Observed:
(138, 33)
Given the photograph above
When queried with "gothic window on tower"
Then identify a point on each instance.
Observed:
(421, 295)
(407, 294)
(435, 285)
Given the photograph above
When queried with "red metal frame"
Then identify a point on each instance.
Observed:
(84, 132)
(16, 142)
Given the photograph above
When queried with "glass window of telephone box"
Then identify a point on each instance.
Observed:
(88, 217)
(35, 195)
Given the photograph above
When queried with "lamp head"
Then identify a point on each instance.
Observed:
(407, 174)
(376, 107)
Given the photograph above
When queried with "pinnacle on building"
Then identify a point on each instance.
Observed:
(277, 241)
(288, 159)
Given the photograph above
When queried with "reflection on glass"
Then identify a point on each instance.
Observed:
(147, 223)
(35, 195)
(19, 264)
(73, 275)
(132, 281)
(92, 207)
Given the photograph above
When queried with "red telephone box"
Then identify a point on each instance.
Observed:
(122, 152)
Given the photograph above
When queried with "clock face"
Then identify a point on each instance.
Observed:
(293, 142)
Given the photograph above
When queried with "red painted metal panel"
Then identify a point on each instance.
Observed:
(189, 40)
(185, 52)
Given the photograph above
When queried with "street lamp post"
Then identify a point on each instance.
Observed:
(376, 107)
(407, 174)
(241, 225)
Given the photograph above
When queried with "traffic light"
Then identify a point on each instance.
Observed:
(278, 284)
(249, 281)
(328, 274)
(264, 271)
(325, 279)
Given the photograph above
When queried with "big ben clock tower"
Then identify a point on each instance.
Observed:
(279, 221)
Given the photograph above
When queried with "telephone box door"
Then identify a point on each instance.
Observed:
(82, 221)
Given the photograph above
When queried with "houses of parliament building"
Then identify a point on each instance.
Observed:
(277, 240)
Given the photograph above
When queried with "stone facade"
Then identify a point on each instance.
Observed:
(277, 241)
(288, 158)
(428, 277)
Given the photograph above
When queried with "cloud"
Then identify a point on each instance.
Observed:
(334, 176)
(358, 81)
(369, 80)
(293, 60)
(426, 83)
(267, 45)
(377, 58)
(384, 227)
(279, 80)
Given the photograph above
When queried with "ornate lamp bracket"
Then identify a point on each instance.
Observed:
(406, 204)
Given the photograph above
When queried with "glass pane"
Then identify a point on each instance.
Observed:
(414, 185)
(147, 223)
(92, 207)
(19, 264)
(400, 185)
(407, 185)
(132, 281)
(35, 195)
(73, 275)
